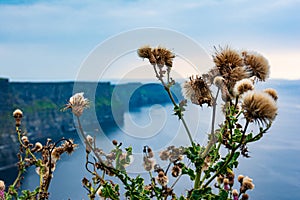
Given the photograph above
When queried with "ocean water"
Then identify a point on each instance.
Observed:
(274, 164)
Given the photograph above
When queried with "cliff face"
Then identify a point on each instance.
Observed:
(41, 104)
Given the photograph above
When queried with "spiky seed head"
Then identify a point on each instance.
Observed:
(242, 86)
(258, 64)
(259, 107)
(272, 93)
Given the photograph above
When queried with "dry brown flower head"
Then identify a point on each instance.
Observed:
(243, 86)
(227, 59)
(77, 103)
(18, 113)
(259, 107)
(258, 64)
(272, 93)
(160, 56)
(164, 155)
(197, 91)
(162, 179)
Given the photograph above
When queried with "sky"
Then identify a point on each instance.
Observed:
(52, 40)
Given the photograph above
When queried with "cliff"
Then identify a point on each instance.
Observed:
(41, 104)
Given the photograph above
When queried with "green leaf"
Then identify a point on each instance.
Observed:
(223, 194)
(249, 137)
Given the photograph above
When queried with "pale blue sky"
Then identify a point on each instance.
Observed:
(48, 40)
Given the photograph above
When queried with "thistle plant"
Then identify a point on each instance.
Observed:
(233, 80)
(43, 157)
(233, 76)
(209, 166)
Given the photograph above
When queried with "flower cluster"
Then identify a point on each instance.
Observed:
(42, 157)
(233, 73)
(162, 61)
(148, 159)
(160, 56)
(77, 103)
(197, 91)
(259, 106)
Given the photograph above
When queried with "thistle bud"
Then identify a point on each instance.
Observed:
(37, 147)
(18, 114)
(25, 140)
(115, 142)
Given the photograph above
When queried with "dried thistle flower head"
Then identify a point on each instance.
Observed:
(176, 170)
(226, 181)
(164, 155)
(259, 107)
(145, 52)
(77, 103)
(272, 93)
(37, 147)
(245, 197)
(240, 178)
(246, 184)
(55, 154)
(2, 185)
(219, 81)
(162, 179)
(163, 56)
(25, 140)
(235, 75)
(148, 164)
(242, 86)
(69, 146)
(18, 113)
(235, 192)
(160, 56)
(197, 91)
(227, 59)
(258, 64)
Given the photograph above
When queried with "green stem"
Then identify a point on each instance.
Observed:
(174, 103)
(197, 179)
(86, 141)
(221, 168)
(187, 130)
(212, 133)
(20, 161)
(117, 173)
(230, 157)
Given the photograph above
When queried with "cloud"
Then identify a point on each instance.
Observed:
(72, 28)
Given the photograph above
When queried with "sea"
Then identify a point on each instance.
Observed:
(274, 163)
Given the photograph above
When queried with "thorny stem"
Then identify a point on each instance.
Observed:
(223, 166)
(114, 171)
(259, 135)
(168, 168)
(244, 131)
(49, 177)
(212, 132)
(174, 103)
(211, 141)
(230, 157)
(21, 160)
(86, 141)
(197, 178)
